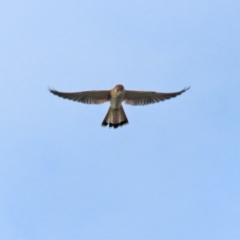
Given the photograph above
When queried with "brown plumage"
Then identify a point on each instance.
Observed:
(116, 116)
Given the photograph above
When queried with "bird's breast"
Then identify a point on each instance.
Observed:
(116, 102)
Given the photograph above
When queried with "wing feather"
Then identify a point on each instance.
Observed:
(146, 97)
(88, 97)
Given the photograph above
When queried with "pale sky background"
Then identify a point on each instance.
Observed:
(172, 173)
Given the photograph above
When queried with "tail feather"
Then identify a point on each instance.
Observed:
(115, 118)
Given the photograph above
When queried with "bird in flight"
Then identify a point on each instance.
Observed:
(116, 116)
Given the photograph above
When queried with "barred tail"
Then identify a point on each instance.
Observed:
(115, 118)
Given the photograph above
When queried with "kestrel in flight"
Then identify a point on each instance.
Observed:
(116, 116)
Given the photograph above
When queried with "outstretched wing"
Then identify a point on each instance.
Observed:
(88, 97)
(146, 97)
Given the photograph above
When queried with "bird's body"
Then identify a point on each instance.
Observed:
(116, 116)
(117, 95)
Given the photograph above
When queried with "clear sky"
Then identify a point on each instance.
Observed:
(172, 173)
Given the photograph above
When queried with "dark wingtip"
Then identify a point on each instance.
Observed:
(186, 88)
(52, 90)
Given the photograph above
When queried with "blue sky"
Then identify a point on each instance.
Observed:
(172, 173)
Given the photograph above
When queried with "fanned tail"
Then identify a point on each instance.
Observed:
(115, 118)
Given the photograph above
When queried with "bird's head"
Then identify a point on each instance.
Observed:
(119, 89)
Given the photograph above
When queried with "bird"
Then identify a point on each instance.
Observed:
(116, 116)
